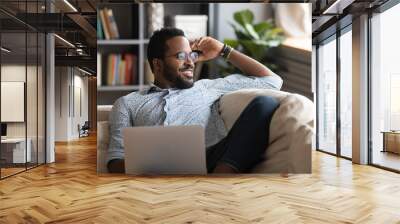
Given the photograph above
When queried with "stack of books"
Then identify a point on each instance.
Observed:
(106, 26)
(121, 70)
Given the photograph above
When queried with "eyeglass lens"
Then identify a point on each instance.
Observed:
(183, 56)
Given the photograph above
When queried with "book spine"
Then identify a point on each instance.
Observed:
(128, 69)
(105, 23)
(116, 68)
(134, 69)
(100, 34)
(110, 69)
(121, 72)
(113, 24)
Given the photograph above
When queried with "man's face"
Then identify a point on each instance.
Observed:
(179, 72)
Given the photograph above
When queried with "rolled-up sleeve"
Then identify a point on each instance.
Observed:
(236, 82)
(119, 119)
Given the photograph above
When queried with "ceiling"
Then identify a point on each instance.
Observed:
(328, 16)
(76, 23)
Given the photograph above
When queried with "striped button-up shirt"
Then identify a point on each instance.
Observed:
(197, 105)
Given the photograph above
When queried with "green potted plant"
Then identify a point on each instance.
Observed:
(253, 39)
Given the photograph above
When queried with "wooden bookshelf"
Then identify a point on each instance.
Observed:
(131, 41)
(134, 38)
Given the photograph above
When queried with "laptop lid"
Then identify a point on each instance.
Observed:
(165, 150)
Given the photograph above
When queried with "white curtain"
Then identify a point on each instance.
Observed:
(294, 18)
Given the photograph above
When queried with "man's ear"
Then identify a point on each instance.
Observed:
(158, 64)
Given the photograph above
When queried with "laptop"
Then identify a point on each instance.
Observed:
(165, 150)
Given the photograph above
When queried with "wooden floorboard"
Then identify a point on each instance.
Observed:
(70, 191)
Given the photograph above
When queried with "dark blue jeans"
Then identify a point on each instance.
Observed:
(246, 142)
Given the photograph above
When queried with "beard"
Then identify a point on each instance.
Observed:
(180, 82)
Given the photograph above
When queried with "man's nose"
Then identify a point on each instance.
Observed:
(189, 61)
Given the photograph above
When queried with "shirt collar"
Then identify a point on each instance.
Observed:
(154, 88)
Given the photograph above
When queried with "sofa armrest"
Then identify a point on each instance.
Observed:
(102, 146)
(103, 112)
(291, 129)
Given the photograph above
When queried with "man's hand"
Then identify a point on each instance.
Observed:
(210, 48)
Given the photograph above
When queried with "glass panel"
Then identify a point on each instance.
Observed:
(41, 99)
(31, 98)
(346, 94)
(22, 63)
(13, 86)
(385, 84)
(327, 97)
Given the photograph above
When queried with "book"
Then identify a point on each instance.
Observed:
(129, 60)
(100, 34)
(105, 23)
(112, 24)
(110, 70)
(117, 59)
(121, 69)
(121, 73)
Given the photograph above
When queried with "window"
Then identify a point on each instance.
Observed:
(346, 93)
(385, 87)
(326, 96)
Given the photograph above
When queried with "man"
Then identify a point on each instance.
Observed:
(175, 99)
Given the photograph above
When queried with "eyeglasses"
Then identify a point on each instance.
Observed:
(183, 56)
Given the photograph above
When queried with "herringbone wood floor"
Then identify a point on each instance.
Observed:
(70, 191)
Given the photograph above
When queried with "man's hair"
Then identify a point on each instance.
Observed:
(157, 44)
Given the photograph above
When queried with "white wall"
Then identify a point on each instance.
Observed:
(225, 13)
(71, 87)
(62, 81)
(80, 94)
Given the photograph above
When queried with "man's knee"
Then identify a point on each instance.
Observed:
(263, 105)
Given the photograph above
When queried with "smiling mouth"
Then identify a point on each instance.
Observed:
(188, 73)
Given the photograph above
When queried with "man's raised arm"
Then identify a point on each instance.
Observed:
(211, 48)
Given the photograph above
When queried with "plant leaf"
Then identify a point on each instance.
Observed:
(254, 50)
(261, 27)
(240, 32)
(250, 30)
(243, 17)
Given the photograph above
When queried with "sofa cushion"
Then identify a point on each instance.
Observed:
(291, 129)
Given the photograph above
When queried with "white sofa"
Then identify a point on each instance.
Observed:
(291, 130)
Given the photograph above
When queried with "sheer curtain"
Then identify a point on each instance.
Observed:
(295, 20)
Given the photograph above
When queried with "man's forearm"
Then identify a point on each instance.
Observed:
(248, 65)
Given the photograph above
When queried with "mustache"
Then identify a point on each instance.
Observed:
(187, 67)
